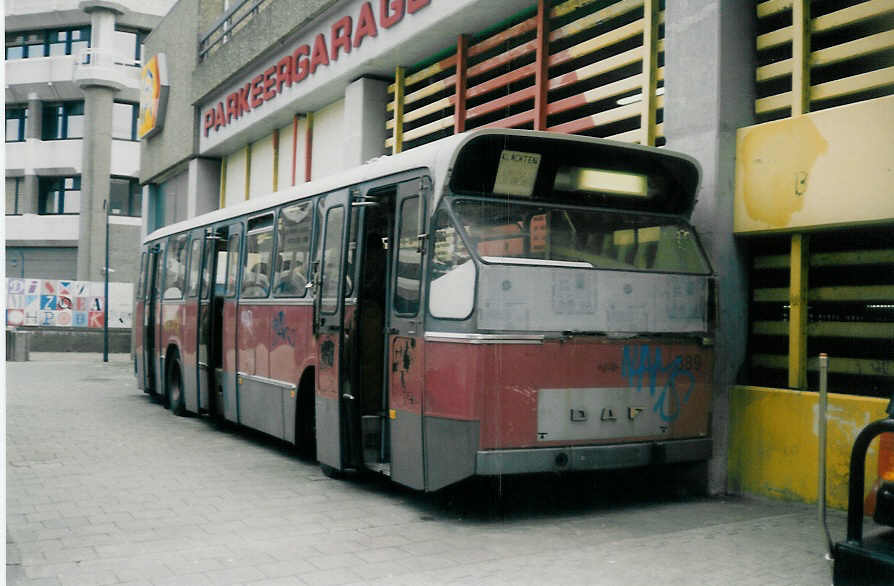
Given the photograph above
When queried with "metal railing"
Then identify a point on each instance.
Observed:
(233, 19)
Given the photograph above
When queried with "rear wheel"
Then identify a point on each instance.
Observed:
(174, 386)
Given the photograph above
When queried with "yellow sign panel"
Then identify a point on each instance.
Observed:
(153, 96)
(828, 168)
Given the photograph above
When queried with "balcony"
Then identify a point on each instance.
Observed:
(35, 228)
(47, 78)
(104, 67)
(45, 157)
(125, 158)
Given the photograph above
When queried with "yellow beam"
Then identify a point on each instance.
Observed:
(771, 7)
(837, 364)
(800, 57)
(223, 184)
(247, 171)
(650, 73)
(882, 293)
(827, 259)
(797, 315)
(276, 159)
(856, 48)
(397, 143)
(829, 329)
(422, 130)
(854, 84)
(852, 15)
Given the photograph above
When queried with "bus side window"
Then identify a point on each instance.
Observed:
(141, 280)
(195, 262)
(258, 251)
(409, 261)
(175, 267)
(232, 263)
(293, 230)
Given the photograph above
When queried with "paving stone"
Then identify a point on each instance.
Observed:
(106, 487)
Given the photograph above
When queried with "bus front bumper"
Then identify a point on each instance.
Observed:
(578, 458)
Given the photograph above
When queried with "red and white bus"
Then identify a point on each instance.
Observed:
(496, 302)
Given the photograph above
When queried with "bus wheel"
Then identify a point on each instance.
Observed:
(174, 387)
(331, 472)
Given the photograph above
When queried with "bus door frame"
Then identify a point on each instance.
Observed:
(230, 397)
(404, 374)
(332, 387)
(150, 318)
(206, 300)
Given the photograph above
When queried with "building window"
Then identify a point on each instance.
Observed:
(63, 120)
(47, 43)
(129, 45)
(59, 195)
(124, 120)
(13, 196)
(16, 120)
(125, 197)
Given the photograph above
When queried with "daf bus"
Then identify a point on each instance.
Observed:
(496, 302)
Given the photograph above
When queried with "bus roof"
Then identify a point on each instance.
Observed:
(438, 157)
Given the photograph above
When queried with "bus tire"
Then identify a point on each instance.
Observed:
(306, 417)
(174, 385)
(330, 472)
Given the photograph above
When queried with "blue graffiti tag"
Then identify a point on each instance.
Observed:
(649, 363)
(281, 330)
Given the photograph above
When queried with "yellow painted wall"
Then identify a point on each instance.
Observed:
(827, 168)
(774, 446)
(261, 180)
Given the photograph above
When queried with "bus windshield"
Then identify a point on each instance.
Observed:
(514, 232)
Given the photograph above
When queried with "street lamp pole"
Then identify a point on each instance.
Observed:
(105, 304)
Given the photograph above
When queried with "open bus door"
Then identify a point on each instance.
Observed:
(150, 320)
(333, 385)
(209, 318)
(405, 364)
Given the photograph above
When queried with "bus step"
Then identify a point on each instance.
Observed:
(380, 467)
(371, 427)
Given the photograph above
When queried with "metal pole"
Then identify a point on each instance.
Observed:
(824, 374)
(105, 305)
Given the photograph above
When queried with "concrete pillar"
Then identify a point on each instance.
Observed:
(99, 96)
(28, 198)
(203, 186)
(364, 120)
(34, 128)
(709, 83)
(95, 181)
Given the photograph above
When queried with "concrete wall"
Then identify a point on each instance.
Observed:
(77, 340)
(774, 447)
(46, 262)
(175, 37)
(709, 93)
(276, 19)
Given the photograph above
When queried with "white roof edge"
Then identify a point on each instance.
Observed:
(437, 156)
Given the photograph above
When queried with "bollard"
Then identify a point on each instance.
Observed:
(823, 377)
(18, 345)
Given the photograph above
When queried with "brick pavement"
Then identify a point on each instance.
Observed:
(106, 487)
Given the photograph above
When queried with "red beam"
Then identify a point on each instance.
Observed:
(294, 146)
(459, 107)
(308, 146)
(500, 81)
(502, 58)
(503, 36)
(541, 64)
(512, 121)
(503, 102)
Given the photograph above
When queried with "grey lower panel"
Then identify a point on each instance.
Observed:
(406, 450)
(450, 448)
(261, 404)
(328, 432)
(497, 462)
(189, 389)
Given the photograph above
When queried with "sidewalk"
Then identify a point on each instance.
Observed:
(104, 486)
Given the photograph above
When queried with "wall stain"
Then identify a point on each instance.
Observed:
(778, 160)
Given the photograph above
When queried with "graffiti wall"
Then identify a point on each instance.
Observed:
(76, 304)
